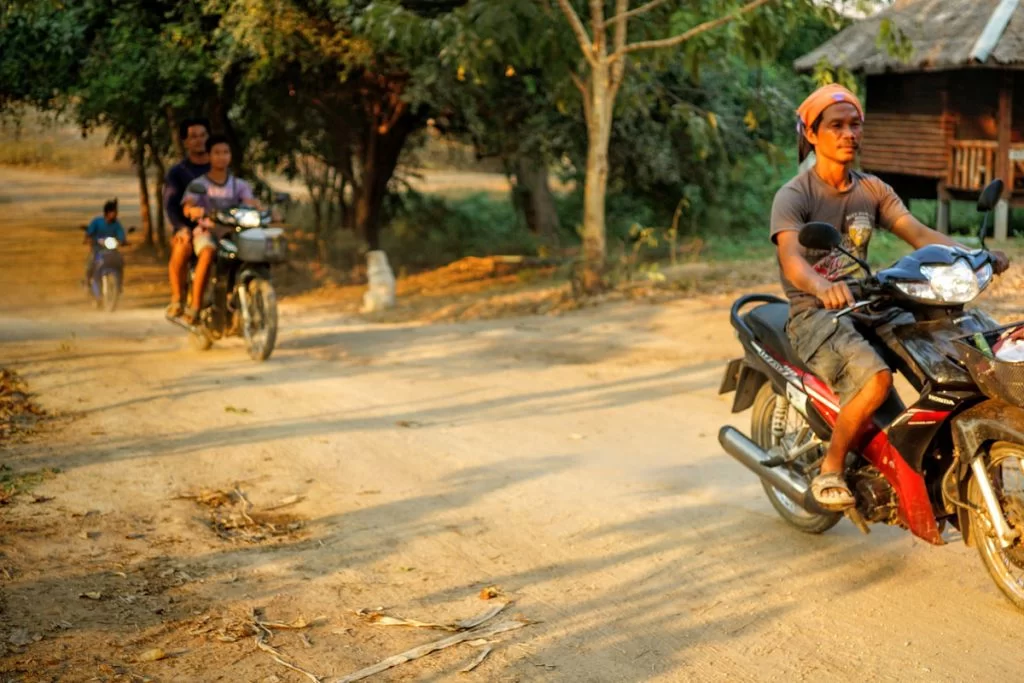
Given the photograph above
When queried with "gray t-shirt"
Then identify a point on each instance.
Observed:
(219, 197)
(869, 203)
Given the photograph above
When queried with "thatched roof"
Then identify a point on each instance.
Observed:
(945, 34)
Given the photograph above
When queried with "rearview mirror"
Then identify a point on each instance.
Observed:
(83, 228)
(196, 187)
(990, 196)
(131, 229)
(817, 235)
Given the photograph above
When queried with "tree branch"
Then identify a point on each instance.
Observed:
(621, 32)
(580, 85)
(577, 27)
(585, 92)
(683, 37)
(622, 15)
(597, 27)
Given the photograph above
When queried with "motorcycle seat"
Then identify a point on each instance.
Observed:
(768, 321)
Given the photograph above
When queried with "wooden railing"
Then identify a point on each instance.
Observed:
(974, 163)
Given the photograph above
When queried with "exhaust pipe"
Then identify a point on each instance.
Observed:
(751, 456)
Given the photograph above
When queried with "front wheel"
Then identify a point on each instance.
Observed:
(110, 291)
(761, 434)
(259, 319)
(200, 341)
(1004, 565)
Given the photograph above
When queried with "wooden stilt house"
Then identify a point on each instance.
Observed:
(950, 118)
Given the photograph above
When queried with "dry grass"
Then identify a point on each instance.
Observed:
(36, 141)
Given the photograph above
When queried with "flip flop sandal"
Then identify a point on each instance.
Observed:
(839, 496)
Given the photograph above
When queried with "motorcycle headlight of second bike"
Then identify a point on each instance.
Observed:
(248, 218)
(956, 283)
(110, 243)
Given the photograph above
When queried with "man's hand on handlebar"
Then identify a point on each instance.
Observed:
(1000, 262)
(835, 295)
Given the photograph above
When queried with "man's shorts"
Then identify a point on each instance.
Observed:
(198, 240)
(202, 240)
(836, 352)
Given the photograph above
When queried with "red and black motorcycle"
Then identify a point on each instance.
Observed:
(955, 456)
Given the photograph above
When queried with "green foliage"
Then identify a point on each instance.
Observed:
(429, 230)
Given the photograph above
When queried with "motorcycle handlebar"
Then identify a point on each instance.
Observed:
(850, 309)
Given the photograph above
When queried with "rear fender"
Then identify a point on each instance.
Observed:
(973, 431)
(746, 381)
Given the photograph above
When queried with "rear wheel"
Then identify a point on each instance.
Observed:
(259, 327)
(109, 291)
(1004, 565)
(761, 434)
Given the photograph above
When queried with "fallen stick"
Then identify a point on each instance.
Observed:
(291, 500)
(464, 625)
(429, 648)
(277, 657)
(478, 661)
(473, 622)
(246, 506)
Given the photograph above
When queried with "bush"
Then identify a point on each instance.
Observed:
(430, 230)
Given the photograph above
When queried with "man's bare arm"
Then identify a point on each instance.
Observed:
(798, 271)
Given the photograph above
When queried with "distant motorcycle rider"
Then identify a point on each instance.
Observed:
(100, 228)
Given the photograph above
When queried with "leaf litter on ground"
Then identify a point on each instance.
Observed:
(231, 516)
(19, 415)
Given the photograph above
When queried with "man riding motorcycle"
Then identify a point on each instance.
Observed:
(99, 229)
(830, 122)
(194, 134)
(223, 191)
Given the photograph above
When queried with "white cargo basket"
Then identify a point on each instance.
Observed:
(262, 245)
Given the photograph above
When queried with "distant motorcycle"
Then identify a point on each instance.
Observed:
(239, 298)
(108, 275)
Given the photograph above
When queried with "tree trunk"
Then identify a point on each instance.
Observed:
(599, 128)
(172, 125)
(330, 183)
(161, 225)
(380, 157)
(344, 205)
(140, 170)
(536, 199)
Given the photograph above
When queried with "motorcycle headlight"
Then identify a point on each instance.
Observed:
(952, 284)
(984, 275)
(110, 243)
(248, 218)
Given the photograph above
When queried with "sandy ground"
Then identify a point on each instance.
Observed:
(570, 461)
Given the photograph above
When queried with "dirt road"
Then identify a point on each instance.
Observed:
(570, 461)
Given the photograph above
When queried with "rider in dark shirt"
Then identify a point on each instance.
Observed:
(194, 133)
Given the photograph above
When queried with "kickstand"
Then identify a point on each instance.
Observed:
(858, 521)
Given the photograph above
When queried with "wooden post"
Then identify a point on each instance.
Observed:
(1002, 226)
(942, 214)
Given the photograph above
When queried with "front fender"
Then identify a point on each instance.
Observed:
(252, 271)
(973, 430)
